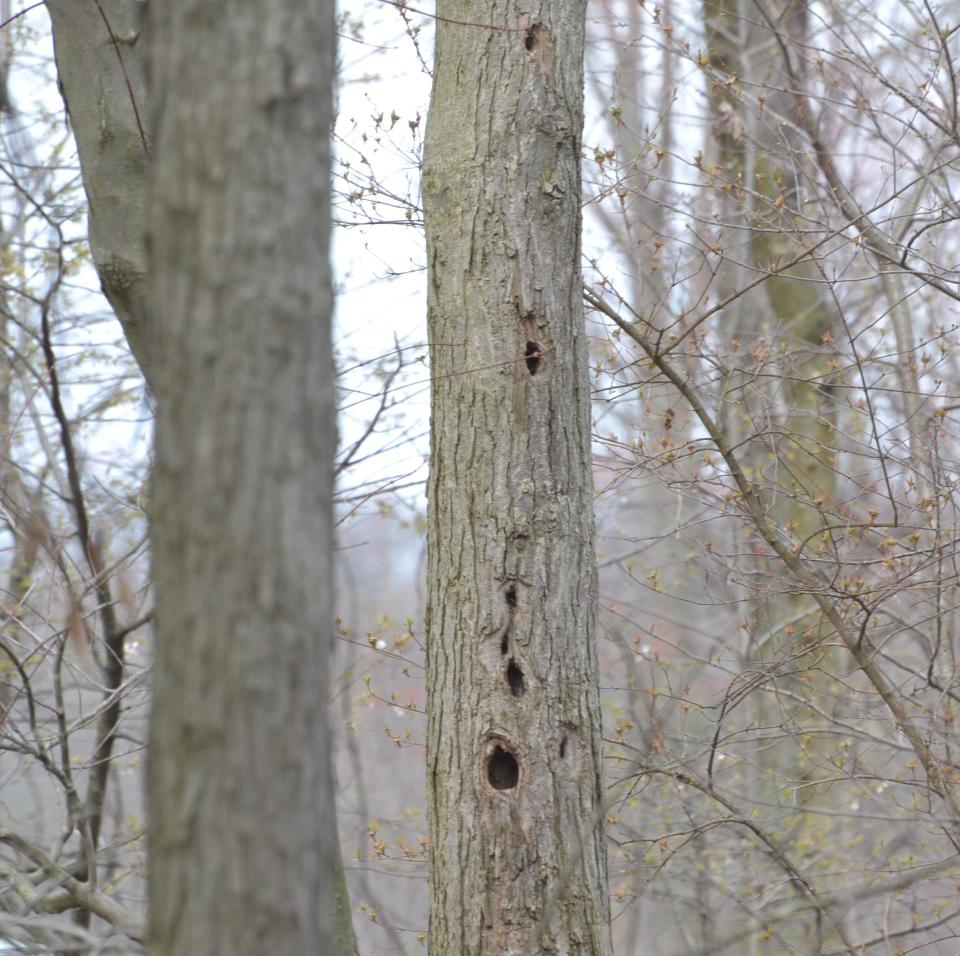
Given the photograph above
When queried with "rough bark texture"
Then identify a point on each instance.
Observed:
(100, 61)
(514, 743)
(243, 841)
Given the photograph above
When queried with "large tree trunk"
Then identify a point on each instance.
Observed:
(242, 835)
(514, 744)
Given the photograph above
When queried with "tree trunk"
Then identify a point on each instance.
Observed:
(514, 745)
(242, 832)
(100, 65)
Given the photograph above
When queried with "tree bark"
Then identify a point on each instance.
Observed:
(242, 835)
(100, 64)
(514, 745)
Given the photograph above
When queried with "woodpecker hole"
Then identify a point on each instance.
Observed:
(503, 771)
(569, 749)
(533, 357)
(510, 596)
(515, 679)
(530, 37)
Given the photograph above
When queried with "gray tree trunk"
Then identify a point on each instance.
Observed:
(244, 854)
(100, 63)
(243, 841)
(514, 745)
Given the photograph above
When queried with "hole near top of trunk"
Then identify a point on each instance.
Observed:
(538, 44)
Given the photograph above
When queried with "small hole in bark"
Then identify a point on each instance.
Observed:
(510, 596)
(530, 38)
(503, 771)
(563, 748)
(532, 356)
(515, 679)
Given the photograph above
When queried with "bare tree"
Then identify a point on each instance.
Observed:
(236, 347)
(514, 782)
(243, 838)
(771, 251)
(789, 630)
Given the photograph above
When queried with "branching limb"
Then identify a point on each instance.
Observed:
(77, 893)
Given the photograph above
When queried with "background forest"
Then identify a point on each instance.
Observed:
(771, 267)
